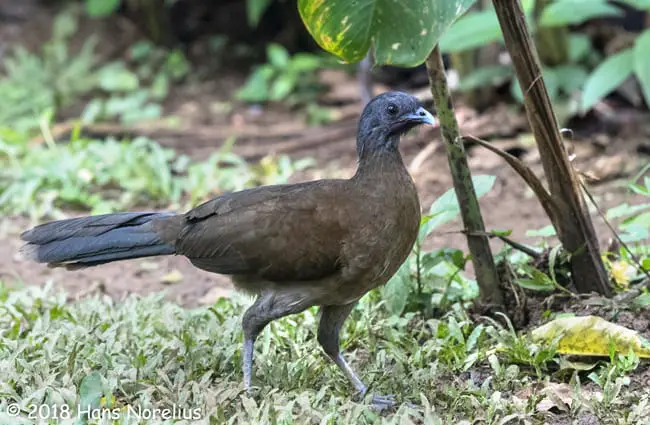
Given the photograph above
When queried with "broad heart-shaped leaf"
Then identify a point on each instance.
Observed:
(403, 32)
(446, 207)
(606, 77)
(642, 63)
(565, 12)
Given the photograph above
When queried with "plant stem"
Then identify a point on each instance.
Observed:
(573, 224)
(478, 243)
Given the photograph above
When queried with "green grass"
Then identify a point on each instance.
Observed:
(147, 353)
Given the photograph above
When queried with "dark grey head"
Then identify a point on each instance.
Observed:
(385, 118)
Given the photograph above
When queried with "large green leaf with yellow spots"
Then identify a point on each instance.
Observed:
(402, 32)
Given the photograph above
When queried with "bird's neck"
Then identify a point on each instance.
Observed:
(375, 161)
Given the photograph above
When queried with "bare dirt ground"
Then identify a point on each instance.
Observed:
(205, 126)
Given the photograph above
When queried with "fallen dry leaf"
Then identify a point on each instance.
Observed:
(172, 277)
(591, 336)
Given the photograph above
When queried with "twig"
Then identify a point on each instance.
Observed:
(516, 245)
(549, 205)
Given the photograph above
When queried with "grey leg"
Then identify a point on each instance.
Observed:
(331, 321)
(267, 307)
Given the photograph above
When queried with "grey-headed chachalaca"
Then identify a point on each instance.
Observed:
(325, 242)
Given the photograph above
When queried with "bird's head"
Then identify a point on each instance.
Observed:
(385, 118)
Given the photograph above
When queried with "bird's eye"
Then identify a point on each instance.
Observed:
(392, 109)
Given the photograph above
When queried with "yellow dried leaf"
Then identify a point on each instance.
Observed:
(621, 272)
(172, 277)
(591, 336)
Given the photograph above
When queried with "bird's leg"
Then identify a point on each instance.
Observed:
(331, 321)
(267, 307)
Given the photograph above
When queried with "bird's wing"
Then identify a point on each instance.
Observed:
(279, 233)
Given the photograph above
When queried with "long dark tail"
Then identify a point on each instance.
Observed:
(90, 241)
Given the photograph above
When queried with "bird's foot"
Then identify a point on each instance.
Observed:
(381, 402)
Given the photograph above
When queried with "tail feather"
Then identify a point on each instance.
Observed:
(89, 241)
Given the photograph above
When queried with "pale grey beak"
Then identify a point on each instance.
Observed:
(421, 116)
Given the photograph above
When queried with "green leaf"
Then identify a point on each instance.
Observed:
(642, 300)
(65, 24)
(515, 91)
(101, 8)
(579, 47)
(570, 78)
(403, 32)
(255, 9)
(115, 77)
(473, 30)
(535, 284)
(550, 80)
(572, 12)
(278, 55)
(642, 63)
(544, 232)
(638, 4)
(472, 339)
(486, 76)
(283, 86)
(397, 290)
(446, 207)
(624, 210)
(607, 77)
(257, 86)
(645, 263)
(90, 392)
(303, 62)
(501, 233)
(92, 111)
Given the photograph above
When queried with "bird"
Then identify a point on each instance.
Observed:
(292, 246)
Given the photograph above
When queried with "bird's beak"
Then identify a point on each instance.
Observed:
(421, 116)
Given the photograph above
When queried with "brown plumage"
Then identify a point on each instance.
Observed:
(324, 242)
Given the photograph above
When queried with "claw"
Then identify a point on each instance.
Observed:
(380, 402)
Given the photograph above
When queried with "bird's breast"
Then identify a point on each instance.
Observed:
(383, 240)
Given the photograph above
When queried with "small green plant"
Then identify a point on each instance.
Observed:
(109, 175)
(284, 78)
(612, 377)
(37, 86)
(133, 93)
(42, 83)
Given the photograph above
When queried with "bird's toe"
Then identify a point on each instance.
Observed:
(381, 402)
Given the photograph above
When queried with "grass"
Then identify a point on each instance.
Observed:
(147, 353)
